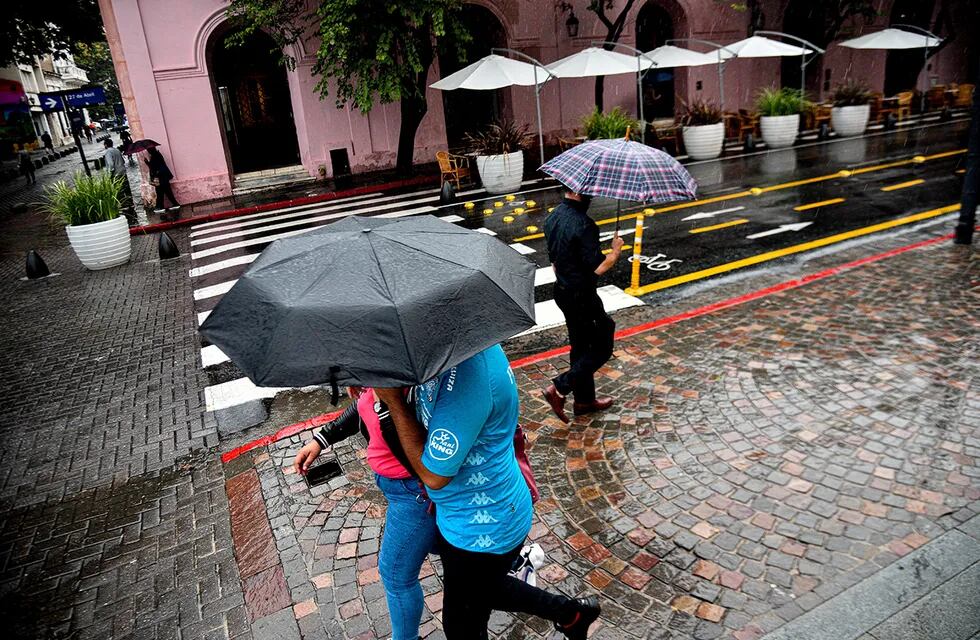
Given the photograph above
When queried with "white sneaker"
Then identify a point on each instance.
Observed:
(174, 208)
(159, 211)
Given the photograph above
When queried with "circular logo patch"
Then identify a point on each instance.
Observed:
(443, 444)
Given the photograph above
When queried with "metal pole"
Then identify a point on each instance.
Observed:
(537, 105)
(803, 60)
(721, 82)
(639, 79)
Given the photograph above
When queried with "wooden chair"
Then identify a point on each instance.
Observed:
(821, 114)
(667, 134)
(936, 97)
(564, 144)
(964, 96)
(903, 108)
(747, 123)
(453, 168)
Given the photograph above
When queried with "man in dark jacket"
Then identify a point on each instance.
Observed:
(573, 247)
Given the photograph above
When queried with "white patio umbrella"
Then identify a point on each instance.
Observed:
(692, 59)
(893, 38)
(595, 61)
(670, 56)
(760, 47)
(495, 72)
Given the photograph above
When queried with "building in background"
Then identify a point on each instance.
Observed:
(224, 118)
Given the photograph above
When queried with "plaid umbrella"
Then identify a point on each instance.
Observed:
(622, 170)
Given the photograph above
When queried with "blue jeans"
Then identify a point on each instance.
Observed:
(409, 536)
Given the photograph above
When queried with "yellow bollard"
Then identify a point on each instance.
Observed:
(531, 229)
(498, 204)
(488, 212)
(468, 205)
(637, 248)
(508, 218)
(509, 197)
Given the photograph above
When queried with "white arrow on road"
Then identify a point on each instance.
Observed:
(710, 214)
(50, 103)
(609, 235)
(780, 229)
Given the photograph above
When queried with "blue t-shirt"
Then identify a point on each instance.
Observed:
(471, 413)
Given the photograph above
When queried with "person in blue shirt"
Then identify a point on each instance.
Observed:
(460, 442)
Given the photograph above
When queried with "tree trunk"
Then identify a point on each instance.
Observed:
(600, 89)
(413, 110)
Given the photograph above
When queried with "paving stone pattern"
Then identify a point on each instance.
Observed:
(759, 461)
(113, 511)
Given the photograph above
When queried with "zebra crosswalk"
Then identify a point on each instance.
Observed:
(222, 250)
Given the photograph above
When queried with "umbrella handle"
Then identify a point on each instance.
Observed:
(628, 127)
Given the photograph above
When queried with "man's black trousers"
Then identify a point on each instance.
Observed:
(590, 334)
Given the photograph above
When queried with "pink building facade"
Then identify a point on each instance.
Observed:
(223, 115)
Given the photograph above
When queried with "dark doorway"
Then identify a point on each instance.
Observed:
(654, 27)
(466, 110)
(902, 66)
(805, 19)
(253, 97)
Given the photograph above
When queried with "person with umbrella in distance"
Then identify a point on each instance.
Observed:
(410, 528)
(619, 169)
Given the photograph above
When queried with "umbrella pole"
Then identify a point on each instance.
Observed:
(619, 204)
(537, 105)
(721, 81)
(639, 98)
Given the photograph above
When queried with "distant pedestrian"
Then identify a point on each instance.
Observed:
(125, 139)
(46, 141)
(88, 133)
(116, 166)
(27, 167)
(160, 177)
(573, 246)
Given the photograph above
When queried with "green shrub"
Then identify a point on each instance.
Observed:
(89, 199)
(600, 126)
(780, 102)
(700, 113)
(851, 94)
(500, 138)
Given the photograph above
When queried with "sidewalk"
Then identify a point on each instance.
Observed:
(762, 459)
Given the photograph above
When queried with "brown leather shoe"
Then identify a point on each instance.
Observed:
(557, 402)
(599, 404)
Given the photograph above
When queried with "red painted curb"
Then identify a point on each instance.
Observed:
(324, 197)
(317, 421)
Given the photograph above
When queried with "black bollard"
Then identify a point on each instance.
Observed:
(168, 250)
(945, 115)
(823, 132)
(36, 267)
(448, 193)
(890, 122)
(749, 142)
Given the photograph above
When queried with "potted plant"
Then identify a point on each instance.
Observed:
(602, 126)
(780, 115)
(89, 209)
(704, 130)
(852, 106)
(500, 155)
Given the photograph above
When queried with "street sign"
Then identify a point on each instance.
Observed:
(50, 102)
(84, 97)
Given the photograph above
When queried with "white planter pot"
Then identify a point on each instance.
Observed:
(101, 245)
(779, 131)
(704, 142)
(503, 173)
(850, 121)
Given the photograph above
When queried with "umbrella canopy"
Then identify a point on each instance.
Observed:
(671, 56)
(595, 61)
(140, 145)
(891, 39)
(624, 170)
(492, 72)
(760, 47)
(372, 302)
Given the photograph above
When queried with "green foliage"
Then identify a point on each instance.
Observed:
(700, 113)
(497, 139)
(851, 94)
(32, 28)
(88, 200)
(94, 58)
(780, 102)
(600, 126)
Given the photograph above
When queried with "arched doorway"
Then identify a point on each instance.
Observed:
(654, 26)
(902, 66)
(256, 113)
(805, 19)
(467, 110)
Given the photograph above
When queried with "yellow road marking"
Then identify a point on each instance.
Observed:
(775, 187)
(902, 185)
(814, 205)
(637, 245)
(798, 248)
(722, 225)
(626, 247)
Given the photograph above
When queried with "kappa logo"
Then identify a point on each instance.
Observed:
(443, 444)
(478, 479)
(482, 517)
(475, 459)
(483, 542)
(482, 499)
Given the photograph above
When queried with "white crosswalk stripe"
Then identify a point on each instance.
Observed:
(223, 250)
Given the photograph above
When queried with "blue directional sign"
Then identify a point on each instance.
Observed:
(50, 102)
(84, 97)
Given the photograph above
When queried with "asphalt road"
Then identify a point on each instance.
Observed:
(758, 208)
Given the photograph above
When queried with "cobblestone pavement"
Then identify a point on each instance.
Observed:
(113, 514)
(761, 459)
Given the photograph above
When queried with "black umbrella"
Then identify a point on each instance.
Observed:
(373, 302)
(140, 145)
